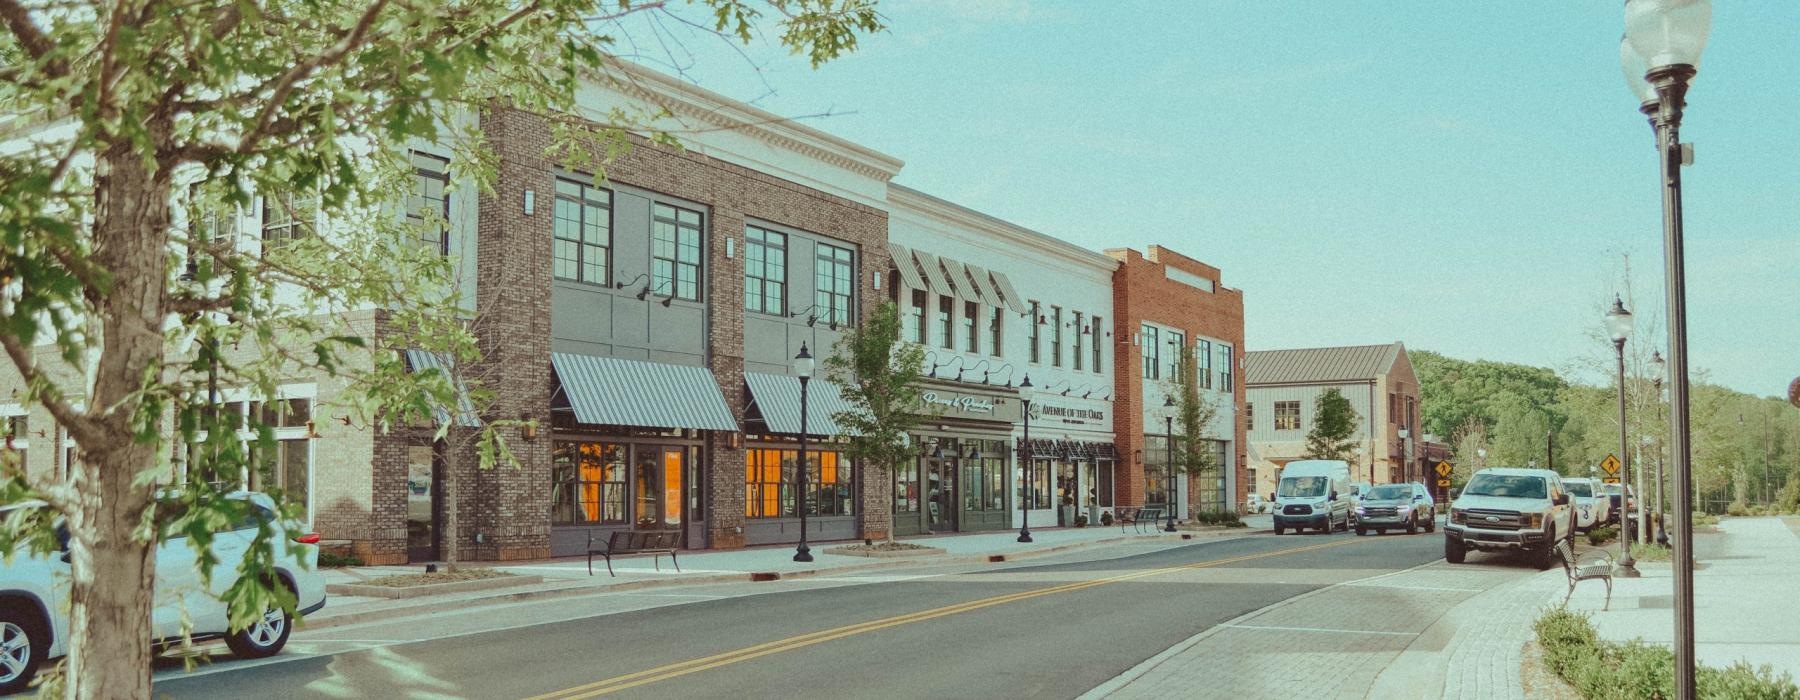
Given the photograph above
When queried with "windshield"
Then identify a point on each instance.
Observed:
(1504, 485)
(1578, 488)
(1612, 489)
(1302, 486)
(1389, 492)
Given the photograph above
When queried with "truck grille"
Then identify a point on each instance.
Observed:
(1297, 509)
(1503, 519)
(1381, 512)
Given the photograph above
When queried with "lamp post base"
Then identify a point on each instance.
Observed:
(1024, 535)
(1171, 526)
(803, 553)
(1627, 569)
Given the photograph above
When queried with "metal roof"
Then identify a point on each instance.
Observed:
(777, 400)
(423, 361)
(614, 391)
(1320, 365)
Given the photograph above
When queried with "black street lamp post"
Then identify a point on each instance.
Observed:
(1169, 468)
(1667, 36)
(1657, 369)
(803, 367)
(1619, 324)
(1025, 461)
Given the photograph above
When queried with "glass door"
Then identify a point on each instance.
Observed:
(423, 477)
(940, 495)
(656, 488)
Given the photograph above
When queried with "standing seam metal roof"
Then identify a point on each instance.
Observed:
(614, 391)
(1320, 365)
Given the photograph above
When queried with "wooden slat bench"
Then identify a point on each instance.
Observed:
(1587, 567)
(627, 543)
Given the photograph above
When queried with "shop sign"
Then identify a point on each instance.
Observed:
(1068, 414)
(964, 403)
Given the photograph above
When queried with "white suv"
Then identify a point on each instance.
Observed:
(34, 595)
(1510, 509)
(1593, 507)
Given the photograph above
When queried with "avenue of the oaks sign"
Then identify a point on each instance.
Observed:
(1067, 415)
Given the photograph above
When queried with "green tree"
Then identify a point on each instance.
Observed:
(1194, 455)
(1334, 423)
(878, 377)
(306, 105)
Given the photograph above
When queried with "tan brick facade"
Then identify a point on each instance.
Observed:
(1143, 291)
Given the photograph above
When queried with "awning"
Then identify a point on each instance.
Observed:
(959, 278)
(934, 273)
(613, 391)
(902, 258)
(421, 361)
(1013, 300)
(777, 399)
(978, 278)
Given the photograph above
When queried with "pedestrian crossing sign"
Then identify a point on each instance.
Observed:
(1610, 464)
(1443, 468)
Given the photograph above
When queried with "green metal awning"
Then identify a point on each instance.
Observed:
(902, 258)
(776, 397)
(421, 361)
(614, 391)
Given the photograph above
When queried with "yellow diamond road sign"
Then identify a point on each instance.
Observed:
(1443, 468)
(1443, 482)
(1610, 464)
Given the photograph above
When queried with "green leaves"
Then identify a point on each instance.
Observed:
(1334, 423)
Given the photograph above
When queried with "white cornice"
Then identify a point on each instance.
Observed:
(685, 100)
(949, 213)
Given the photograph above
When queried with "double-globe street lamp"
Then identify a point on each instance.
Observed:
(1666, 38)
(1026, 391)
(1619, 324)
(1169, 468)
(803, 368)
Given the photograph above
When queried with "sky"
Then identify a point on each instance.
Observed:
(1468, 178)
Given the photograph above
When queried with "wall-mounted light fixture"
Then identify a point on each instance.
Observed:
(634, 280)
(530, 202)
(875, 279)
(730, 247)
(312, 431)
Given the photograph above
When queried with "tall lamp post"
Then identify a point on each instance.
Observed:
(1657, 368)
(1668, 37)
(803, 368)
(1025, 462)
(1169, 467)
(1618, 325)
(1405, 455)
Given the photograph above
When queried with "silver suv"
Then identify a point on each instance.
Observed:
(1510, 509)
(1396, 506)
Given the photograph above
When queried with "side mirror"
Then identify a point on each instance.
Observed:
(1418, 497)
(1334, 495)
(1562, 499)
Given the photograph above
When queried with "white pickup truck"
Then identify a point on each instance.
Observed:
(1505, 509)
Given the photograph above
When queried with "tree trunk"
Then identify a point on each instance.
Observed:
(113, 564)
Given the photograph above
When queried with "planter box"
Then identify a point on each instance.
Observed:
(885, 553)
(480, 584)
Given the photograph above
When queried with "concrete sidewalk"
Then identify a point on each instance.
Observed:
(1744, 608)
(569, 575)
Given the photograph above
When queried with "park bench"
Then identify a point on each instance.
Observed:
(627, 543)
(1136, 517)
(1587, 567)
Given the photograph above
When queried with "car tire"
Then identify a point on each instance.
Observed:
(1412, 524)
(1454, 552)
(1431, 522)
(1361, 531)
(22, 646)
(263, 638)
(1545, 558)
(1279, 530)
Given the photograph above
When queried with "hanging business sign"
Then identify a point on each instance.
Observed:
(958, 403)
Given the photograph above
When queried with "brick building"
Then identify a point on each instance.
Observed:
(1167, 305)
(1378, 381)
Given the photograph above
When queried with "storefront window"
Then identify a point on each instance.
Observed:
(588, 480)
(974, 478)
(1156, 476)
(1105, 483)
(1037, 494)
(906, 487)
(770, 482)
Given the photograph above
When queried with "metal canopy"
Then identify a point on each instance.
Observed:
(978, 279)
(1013, 300)
(959, 278)
(934, 273)
(902, 259)
(421, 361)
(613, 391)
(777, 399)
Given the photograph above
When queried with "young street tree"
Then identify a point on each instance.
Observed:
(1334, 422)
(1194, 415)
(119, 110)
(878, 377)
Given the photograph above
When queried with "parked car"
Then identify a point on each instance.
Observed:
(34, 594)
(1593, 507)
(1396, 506)
(1357, 489)
(1508, 509)
(1255, 504)
(1623, 501)
(1313, 493)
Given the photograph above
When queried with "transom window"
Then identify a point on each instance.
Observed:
(765, 271)
(428, 207)
(833, 277)
(675, 252)
(583, 232)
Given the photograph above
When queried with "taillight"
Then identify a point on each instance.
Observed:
(308, 538)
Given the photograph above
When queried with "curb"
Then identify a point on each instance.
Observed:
(428, 604)
(1135, 672)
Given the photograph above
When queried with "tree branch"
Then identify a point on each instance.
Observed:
(82, 427)
(285, 84)
(31, 38)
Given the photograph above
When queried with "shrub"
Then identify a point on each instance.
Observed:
(1106, 518)
(1602, 535)
(1651, 552)
(1700, 519)
(333, 560)
(1737, 508)
(1080, 521)
(1602, 669)
(1226, 518)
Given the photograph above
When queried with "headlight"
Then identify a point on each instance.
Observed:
(1533, 520)
(1458, 516)
(1361, 510)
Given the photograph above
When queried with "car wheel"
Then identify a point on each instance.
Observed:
(1454, 551)
(1279, 529)
(1546, 557)
(22, 647)
(264, 637)
(1431, 522)
(1360, 531)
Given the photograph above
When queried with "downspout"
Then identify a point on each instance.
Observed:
(1370, 453)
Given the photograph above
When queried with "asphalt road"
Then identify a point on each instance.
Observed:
(1051, 629)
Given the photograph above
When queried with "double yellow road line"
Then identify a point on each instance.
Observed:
(676, 670)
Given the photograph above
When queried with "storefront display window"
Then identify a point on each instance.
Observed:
(770, 482)
(588, 479)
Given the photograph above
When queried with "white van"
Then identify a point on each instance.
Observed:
(1313, 493)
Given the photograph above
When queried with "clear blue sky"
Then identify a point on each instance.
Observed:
(1461, 176)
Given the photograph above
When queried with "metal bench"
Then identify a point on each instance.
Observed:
(620, 544)
(1137, 517)
(1596, 564)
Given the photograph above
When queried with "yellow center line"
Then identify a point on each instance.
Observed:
(682, 668)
